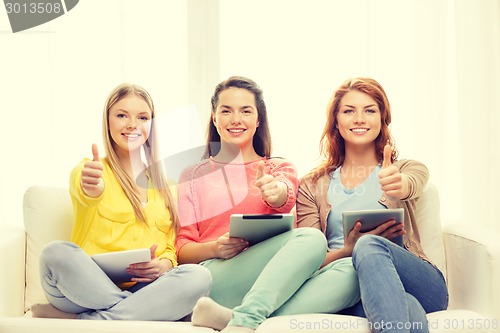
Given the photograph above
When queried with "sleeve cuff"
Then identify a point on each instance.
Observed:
(411, 189)
(171, 257)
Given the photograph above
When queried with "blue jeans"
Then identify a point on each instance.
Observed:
(74, 283)
(397, 287)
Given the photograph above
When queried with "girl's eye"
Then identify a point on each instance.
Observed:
(348, 111)
(144, 118)
(120, 115)
(371, 111)
(225, 111)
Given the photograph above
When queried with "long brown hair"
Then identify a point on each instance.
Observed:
(332, 145)
(154, 165)
(262, 137)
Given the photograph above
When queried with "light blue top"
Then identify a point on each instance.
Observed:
(363, 196)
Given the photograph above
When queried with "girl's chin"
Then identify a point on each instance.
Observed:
(239, 141)
(130, 147)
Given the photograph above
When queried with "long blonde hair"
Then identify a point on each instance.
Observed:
(150, 147)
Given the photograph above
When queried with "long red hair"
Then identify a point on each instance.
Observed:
(332, 145)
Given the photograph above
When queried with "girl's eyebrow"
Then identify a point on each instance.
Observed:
(125, 111)
(351, 106)
(243, 107)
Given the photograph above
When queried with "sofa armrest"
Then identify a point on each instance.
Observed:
(473, 265)
(12, 261)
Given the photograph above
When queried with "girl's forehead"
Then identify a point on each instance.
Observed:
(234, 95)
(357, 96)
(132, 103)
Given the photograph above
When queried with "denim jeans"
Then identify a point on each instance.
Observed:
(397, 287)
(74, 283)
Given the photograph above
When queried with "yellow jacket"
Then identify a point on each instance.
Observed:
(108, 223)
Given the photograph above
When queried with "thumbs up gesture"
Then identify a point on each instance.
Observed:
(92, 182)
(273, 192)
(394, 183)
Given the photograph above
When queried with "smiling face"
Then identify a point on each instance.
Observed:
(358, 119)
(236, 117)
(129, 124)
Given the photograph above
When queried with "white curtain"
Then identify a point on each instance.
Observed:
(54, 80)
(478, 110)
(439, 61)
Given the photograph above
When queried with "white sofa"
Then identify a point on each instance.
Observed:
(469, 258)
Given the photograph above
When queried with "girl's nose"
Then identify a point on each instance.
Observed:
(359, 118)
(132, 124)
(235, 118)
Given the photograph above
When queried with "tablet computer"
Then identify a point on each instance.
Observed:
(255, 228)
(370, 219)
(115, 264)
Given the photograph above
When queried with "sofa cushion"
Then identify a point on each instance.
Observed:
(428, 216)
(30, 325)
(456, 321)
(48, 215)
(12, 256)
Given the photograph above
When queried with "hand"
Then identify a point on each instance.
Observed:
(273, 192)
(352, 238)
(394, 183)
(227, 247)
(389, 229)
(149, 271)
(92, 182)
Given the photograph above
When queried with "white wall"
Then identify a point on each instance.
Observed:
(298, 52)
(55, 78)
(439, 61)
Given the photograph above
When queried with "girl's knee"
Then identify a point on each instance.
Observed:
(199, 277)
(313, 236)
(56, 252)
(368, 241)
(367, 244)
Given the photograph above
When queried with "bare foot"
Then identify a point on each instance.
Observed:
(208, 313)
(49, 311)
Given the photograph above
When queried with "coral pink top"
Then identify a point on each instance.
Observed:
(210, 192)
